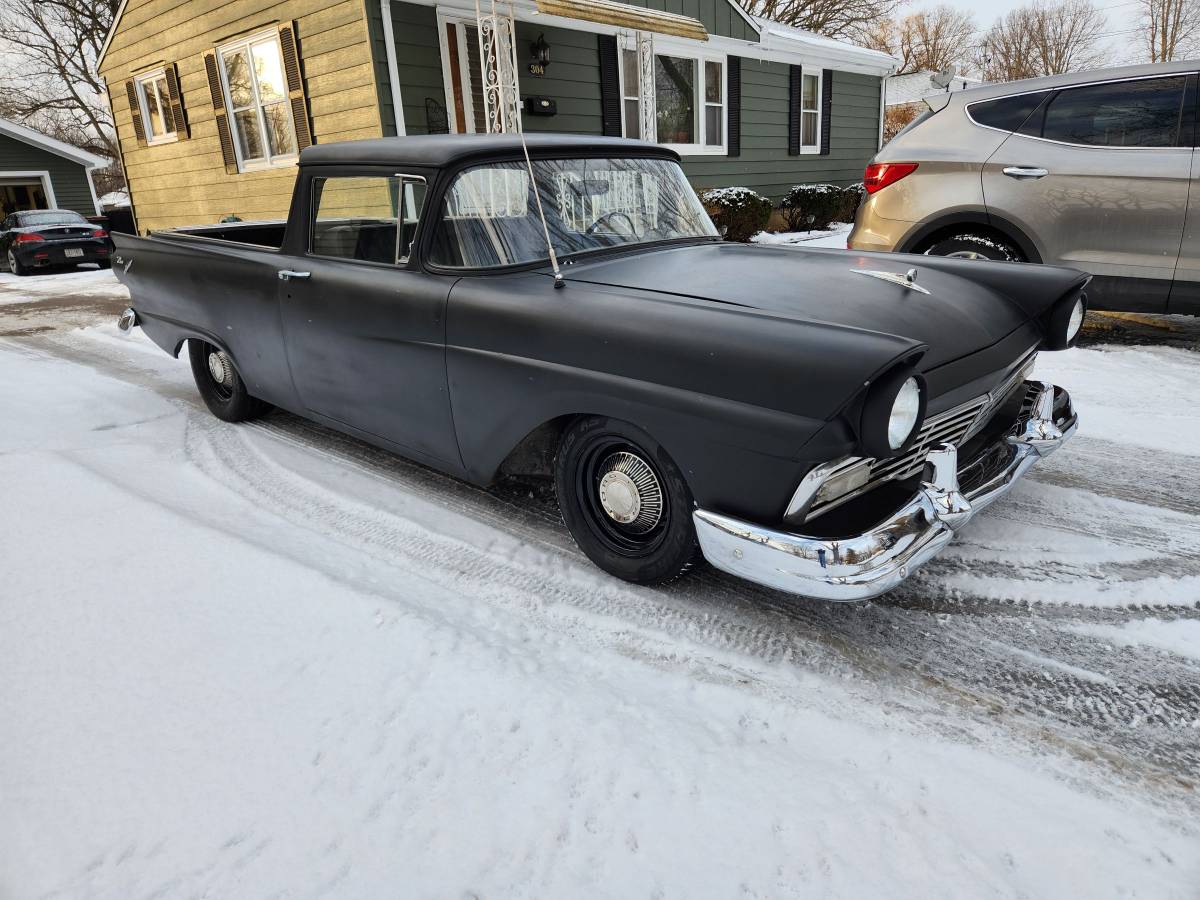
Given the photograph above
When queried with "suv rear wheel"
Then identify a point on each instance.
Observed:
(972, 245)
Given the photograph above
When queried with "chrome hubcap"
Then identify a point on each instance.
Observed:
(219, 367)
(965, 254)
(630, 494)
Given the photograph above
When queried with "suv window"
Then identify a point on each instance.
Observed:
(1144, 113)
(366, 218)
(1006, 113)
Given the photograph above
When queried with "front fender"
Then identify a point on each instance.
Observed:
(735, 396)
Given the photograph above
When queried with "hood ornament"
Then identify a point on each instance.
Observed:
(904, 279)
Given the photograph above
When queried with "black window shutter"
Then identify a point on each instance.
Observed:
(610, 85)
(826, 106)
(733, 100)
(794, 82)
(182, 132)
(135, 110)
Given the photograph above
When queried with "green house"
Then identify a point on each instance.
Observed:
(39, 172)
(746, 102)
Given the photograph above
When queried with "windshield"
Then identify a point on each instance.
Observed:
(489, 216)
(30, 220)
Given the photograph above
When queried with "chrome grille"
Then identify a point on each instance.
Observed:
(954, 426)
(950, 427)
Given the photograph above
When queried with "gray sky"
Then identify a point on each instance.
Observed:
(1121, 15)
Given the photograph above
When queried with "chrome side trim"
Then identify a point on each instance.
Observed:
(874, 562)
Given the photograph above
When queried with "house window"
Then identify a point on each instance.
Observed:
(630, 94)
(256, 94)
(714, 104)
(687, 97)
(155, 101)
(810, 114)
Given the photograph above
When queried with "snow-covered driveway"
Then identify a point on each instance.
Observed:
(269, 660)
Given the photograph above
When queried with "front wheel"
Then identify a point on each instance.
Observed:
(975, 246)
(220, 385)
(625, 501)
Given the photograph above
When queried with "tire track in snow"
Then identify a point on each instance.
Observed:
(904, 646)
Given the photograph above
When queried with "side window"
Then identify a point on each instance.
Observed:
(1006, 113)
(369, 218)
(1143, 113)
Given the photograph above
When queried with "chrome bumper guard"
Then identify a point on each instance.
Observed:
(872, 563)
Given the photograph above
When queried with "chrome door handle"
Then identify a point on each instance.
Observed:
(289, 274)
(1020, 172)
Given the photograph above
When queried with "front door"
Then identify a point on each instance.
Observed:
(365, 332)
(1099, 179)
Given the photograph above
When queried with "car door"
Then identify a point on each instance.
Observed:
(1098, 178)
(1185, 288)
(364, 328)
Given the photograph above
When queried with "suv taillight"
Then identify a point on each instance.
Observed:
(879, 175)
(27, 238)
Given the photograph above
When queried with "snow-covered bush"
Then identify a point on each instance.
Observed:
(809, 207)
(854, 194)
(737, 212)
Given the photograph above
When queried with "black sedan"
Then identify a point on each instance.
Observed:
(818, 421)
(45, 238)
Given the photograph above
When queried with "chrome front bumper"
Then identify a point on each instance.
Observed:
(872, 563)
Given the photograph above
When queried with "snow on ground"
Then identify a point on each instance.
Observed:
(833, 236)
(265, 660)
(208, 698)
(1144, 396)
(87, 283)
(1178, 636)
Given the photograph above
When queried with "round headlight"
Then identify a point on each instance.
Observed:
(892, 413)
(1076, 321)
(906, 410)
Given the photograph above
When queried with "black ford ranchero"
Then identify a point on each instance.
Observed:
(820, 421)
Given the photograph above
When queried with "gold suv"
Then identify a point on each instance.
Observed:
(1090, 170)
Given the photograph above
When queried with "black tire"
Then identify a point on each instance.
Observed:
(104, 263)
(228, 398)
(653, 548)
(970, 245)
(15, 265)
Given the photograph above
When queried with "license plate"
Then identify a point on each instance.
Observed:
(72, 251)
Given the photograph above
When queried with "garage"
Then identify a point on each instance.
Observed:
(40, 172)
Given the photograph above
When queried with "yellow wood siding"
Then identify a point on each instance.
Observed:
(185, 183)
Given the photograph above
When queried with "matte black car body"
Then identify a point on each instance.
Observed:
(749, 365)
(86, 242)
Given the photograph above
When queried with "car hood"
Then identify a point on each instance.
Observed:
(970, 304)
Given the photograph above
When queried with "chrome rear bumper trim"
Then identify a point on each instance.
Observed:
(872, 563)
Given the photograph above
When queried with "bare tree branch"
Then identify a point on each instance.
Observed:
(1044, 38)
(930, 40)
(847, 19)
(1169, 28)
(50, 81)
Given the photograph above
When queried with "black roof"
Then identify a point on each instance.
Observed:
(440, 150)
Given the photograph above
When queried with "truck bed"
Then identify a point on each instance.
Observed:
(258, 234)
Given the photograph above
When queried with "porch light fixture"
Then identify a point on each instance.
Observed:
(541, 56)
(622, 15)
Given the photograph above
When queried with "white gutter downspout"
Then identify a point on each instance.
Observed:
(389, 42)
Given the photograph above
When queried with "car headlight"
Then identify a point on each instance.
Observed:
(906, 409)
(1076, 321)
(1065, 321)
(892, 413)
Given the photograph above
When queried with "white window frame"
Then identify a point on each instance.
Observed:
(811, 148)
(143, 83)
(666, 47)
(268, 161)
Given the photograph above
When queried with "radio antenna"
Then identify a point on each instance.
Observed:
(559, 281)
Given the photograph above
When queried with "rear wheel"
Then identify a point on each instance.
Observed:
(15, 265)
(220, 385)
(625, 501)
(971, 245)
